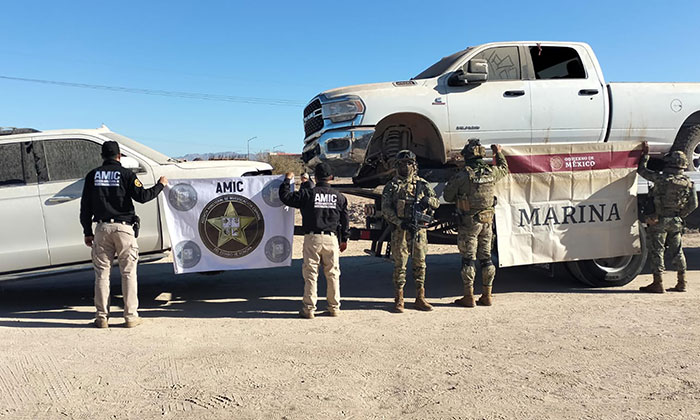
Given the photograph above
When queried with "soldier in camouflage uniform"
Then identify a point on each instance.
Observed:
(472, 191)
(403, 195)
(674, 199)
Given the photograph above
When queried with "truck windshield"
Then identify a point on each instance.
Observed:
(441, 66)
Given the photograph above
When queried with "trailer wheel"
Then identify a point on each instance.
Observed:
(688, 142)
(611, 272)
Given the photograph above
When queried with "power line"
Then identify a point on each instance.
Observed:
(169, 93)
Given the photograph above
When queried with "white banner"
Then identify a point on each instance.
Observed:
(228, 224)
(567, 202)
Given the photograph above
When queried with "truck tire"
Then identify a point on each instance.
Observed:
(611, 272)
(688, 142)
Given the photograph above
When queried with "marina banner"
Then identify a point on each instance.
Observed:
(567, 202)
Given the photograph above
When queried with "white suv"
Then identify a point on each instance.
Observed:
(41, 182)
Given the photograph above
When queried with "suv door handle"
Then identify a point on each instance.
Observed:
(61, 199)
(513, 93)
(588, 92)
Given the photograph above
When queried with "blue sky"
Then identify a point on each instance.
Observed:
(290, 51)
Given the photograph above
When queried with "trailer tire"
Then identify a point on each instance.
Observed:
(611, 272)
(688, 142)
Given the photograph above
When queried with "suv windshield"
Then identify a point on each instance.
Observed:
(140, 148)
(441, 66)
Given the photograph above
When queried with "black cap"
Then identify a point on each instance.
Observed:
(323, 171)
(110, 149)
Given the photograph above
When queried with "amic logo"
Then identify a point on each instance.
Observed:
(271, 195)
(187, 254)
(278, 249)
(231, 226)
(182, 197)
(556, 163)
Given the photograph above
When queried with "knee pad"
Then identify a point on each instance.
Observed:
(486, 262)
(467, 262)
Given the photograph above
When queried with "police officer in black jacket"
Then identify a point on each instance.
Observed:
(107, 200)
(324, 213)
(306, 182)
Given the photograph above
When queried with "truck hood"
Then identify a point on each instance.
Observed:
(214, 169)
(246, 165)
(371, 88)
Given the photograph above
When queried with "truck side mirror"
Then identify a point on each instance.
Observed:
(475, 71)
(131, 163)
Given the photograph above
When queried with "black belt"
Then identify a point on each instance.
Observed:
(115, 221)
(320, 232)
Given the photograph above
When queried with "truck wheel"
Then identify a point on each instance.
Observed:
(611, 272)
(689, 143)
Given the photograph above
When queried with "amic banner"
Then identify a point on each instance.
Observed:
(228, 224)
(567, 202)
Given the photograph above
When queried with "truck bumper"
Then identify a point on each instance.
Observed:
(343, 149)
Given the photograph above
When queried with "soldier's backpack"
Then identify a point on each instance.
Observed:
(673, 196)
(482, 183)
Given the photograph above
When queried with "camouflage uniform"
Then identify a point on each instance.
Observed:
(473, 192)
(674, 198)
(398, 200)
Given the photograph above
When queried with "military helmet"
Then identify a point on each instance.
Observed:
(405, 155)
(473, 149)
(676, 159)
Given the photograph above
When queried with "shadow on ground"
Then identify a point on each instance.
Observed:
(271, 293)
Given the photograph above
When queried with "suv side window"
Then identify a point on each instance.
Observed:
(12, 167)
(557, 63)
(69, 159)
(504, 62)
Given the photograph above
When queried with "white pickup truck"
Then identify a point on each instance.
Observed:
(506, 92)
(41, 182)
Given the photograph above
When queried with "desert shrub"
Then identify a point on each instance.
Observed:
(282, 164)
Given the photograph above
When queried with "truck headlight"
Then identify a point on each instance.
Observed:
(343, 110)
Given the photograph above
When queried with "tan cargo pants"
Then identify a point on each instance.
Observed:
(115, 239)
(321, 250)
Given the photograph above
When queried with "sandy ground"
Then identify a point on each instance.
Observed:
(232, 346)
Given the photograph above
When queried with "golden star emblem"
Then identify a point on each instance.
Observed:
(231, 226)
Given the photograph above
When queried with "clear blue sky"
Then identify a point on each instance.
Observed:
(291, 51)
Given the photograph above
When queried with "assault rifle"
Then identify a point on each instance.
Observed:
(421, 214)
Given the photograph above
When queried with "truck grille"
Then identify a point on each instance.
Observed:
(315, 123)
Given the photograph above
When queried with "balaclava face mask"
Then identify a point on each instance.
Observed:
(406, 169)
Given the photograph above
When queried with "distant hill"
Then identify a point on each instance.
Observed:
(260, 156)
(214, 155)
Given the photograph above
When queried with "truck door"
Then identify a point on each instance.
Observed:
(568, 98)
(496, 111)
(23, 244)
(67, 162)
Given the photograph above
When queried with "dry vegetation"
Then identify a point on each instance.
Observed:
(283, 164)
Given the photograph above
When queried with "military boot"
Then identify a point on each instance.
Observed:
(421, 303)
(656, 286)
(485, 299)
(398, 300)
(468, 300)
(680, 286)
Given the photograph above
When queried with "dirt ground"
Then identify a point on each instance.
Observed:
(232, 346)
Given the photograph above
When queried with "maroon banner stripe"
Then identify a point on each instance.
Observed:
(568, 162)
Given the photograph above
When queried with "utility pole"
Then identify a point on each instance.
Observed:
(254, 137)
